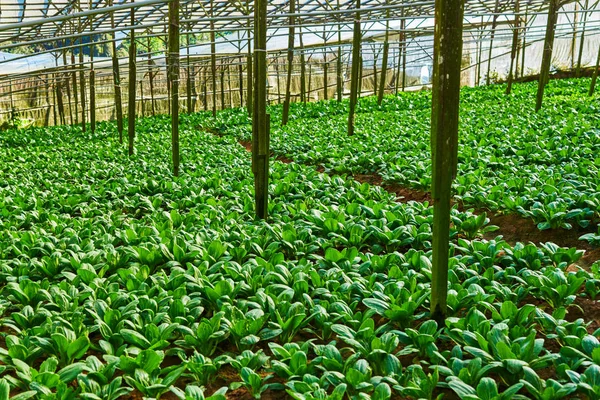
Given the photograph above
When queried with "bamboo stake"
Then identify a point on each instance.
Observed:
(547, 54)
(278, 80)
(356, 65)
(574, 38)
(375, 83)
(173, 69)
(595, 76)
(386, 49)
(290, 60)
(132, 81)
(514, 49)
(444, 140)
(479, 53)
(116, 78)
(261, 120)
(404, 51)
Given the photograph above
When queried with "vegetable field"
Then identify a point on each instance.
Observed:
(120, 281)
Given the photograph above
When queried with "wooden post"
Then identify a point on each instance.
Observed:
(494, 22)
(213, 60)
(222, 86)
(386, 49)
(309, 91)
(595, 75)
(574, 38)
(229, 91)
(290, 60)
(547, 54)
(204, 90)
(173, 70)
(59, 100)
(151, 76)
(131, 83)
(261, 120)
(524, 41)
(360, 76)
(249, 75)
(302, 68)
(339, 74)
(241, 81)
(278, 80)
(74, 78)
(447, 59)
(404, 51)
(82, 87)
(582, 40)
(356, 67)
(325, 80)
(479, 54)
(188, 80)
(375, 59)
(92, 90)
(116, 78)
(514, 49)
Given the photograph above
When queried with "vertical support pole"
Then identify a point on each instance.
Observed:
(582, 40)
(493, 34)
(74, 78)
(404, 51)
(524, 49)
(82, 86)
(375, 59)
(92, 89)
(204, 90)
(339, 74)
(302, 67)
(386, 50)
(116, 78)
(278, 80)
(222, 73)
(595, 75)
(142, 100)
(360, 76)
(213, 60)
(249, 74)
(309, 91)
(59, 100)
(173, 71)
(479, 54)
(444, 140)
(261, 120)
(241, 81)
(325, 80)
(574, 38)
(188, 81)
(290, 66)
(547, 54)
(151, 76)
(229, 91)
(514, 49)
(356, 67)
(131, 83)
